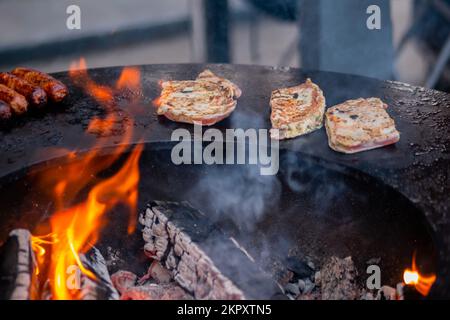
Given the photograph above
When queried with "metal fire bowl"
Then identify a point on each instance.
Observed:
(386, 202)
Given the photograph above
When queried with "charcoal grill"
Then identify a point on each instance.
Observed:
(384, 203)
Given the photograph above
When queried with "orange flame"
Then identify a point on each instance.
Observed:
(130, 78)
(157, 102)
(422, 283)
(76, 227)
(37, 244)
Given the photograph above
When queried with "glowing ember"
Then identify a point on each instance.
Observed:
(411, 277)
(422, 283)
(76, 227)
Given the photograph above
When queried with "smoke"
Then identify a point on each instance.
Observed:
(241, 195)
(311, 182)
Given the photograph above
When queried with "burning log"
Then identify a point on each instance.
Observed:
(19, 273)
(17, 266)
(100, 288)
(200, 257)
(84, 287)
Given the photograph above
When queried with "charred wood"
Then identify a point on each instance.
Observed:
(17, 266)
(201, 258)
(100, 288)
(82, 287)
(157, 273)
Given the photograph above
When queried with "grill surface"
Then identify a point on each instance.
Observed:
(417, 167)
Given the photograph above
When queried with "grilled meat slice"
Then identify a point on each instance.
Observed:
(297, 110)
(210, 76)
(360, 125)
(205, 101)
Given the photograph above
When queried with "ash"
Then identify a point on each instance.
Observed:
(336, 279)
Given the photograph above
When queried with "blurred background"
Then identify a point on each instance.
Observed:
(411, 43)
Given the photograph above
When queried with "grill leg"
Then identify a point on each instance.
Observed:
(334, 37)
(216, 31)
(439, 67)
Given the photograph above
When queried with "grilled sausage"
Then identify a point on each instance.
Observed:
(5, 111)
(56, 90)
(17, 102)
(34, 94)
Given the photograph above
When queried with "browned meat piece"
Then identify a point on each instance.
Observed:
(5, 111)
(360, 125)
(296, 110)
(16, 101)
(55, 89)
(34, 94)
(206, 100)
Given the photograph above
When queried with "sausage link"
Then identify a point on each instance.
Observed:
(55, 89)
(5, 111)
(34, 94)
(17, 101)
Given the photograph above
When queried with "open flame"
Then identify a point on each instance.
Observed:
(422, 283)
(75, 227)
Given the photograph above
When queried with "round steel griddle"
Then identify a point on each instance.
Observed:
(410, 180)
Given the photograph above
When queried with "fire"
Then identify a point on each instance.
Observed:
(130, 78)
(37, 244)
(422, 283)
(76, 226)
(411, 277)
(157, 101)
